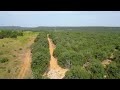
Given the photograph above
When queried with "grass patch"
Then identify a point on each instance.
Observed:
(2, 67)
(1, 53)
(11, 50)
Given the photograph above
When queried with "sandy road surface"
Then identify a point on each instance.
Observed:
(55, 71)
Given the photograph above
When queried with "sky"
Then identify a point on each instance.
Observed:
(59, 18)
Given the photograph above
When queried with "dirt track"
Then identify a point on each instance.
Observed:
(26, 66)
(55, 71)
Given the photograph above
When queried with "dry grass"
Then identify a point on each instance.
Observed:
(14, 50)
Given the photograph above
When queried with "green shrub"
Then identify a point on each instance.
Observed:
(97, 70)
(40, 56)
(20, 48)
(113, 71)
(116, 56)
(117, 47)
(77, 72)
(3, 60)
(3, 45)
(14, 55)
(9, 70)
(69, 58)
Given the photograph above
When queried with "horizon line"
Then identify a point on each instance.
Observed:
(54, 26)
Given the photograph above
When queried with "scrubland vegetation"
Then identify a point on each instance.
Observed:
(82, 52)
(10, 34)
(75, 48)
(40, 55)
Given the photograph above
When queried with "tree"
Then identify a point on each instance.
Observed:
(113, 71)
(96, 69)
(77, 72)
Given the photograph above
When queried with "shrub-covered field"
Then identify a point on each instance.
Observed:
(82, 52)
(40, 56)
(74, 49)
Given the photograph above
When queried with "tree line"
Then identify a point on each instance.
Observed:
(10, 34)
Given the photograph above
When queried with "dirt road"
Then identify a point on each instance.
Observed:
(26, 66)
(55, 71)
